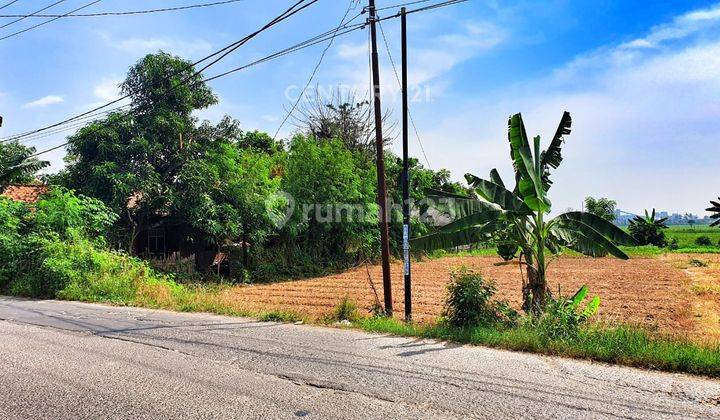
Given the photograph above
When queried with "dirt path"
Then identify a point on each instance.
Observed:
(653, 292)
(704, 275)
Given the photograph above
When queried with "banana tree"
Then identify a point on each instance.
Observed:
(17, 163)
(516, 220)
(648, 230)
(716, 210)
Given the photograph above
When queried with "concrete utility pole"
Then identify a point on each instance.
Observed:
(380, 164)
(406, 171)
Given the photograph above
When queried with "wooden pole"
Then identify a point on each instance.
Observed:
(380, 164)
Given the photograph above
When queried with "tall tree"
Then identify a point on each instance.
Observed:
(516, 220)
(17, 164)
(603, 207)
(133, 160)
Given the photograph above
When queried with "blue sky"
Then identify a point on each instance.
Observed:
(641, 79)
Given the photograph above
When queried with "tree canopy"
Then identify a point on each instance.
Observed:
(603, 207)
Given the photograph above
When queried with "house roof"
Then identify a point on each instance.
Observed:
(25, 193)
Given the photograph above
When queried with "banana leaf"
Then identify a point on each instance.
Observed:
(600, 225)
(530, 184)
(475, 219)
(457, 206)
(495, 177)
(574, 231)
(497, 194)
(714, 209)
(577, 241)
(444, 240)
(552, 157)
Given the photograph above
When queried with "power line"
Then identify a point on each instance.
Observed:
(289, 50)
(286, 14)
(351, 6)
(434, 6)
(71, 126)
(126, 13)
(8, 4)
(412, 121)
(395, 6)
(305, 44)
(227, 49)
(50, 20)
(31, 14)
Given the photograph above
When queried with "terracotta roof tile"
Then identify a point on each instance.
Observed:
(25, 193)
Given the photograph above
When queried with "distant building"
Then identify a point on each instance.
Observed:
(622, 218)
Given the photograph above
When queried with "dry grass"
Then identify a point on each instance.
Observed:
(656, 293)
(705, 289)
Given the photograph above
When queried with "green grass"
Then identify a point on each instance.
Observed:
(623, 345)
(686, 235)
(475, 252)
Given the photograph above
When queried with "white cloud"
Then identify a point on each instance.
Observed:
(644, 124)
(140, 46)
(108, 89)
(432, 57)
(44, 101)
(352, 51)
(681, 27)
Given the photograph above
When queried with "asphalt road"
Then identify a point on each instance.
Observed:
(74, 360)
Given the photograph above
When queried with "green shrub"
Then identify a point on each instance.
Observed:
(77, 269)
(346, 310)
(469, 302)
(11, 242)
(703, 240)
(62, 211)
(562, 317)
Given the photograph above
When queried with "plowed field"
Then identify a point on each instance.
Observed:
(654, 292)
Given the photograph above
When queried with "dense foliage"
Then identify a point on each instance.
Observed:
(515, 220)
(37, 243)
(214, 186)
(334, 222)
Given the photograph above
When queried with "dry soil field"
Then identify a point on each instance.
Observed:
(667, 293)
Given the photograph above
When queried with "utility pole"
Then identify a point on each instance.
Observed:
(406, 171)
(380, 164)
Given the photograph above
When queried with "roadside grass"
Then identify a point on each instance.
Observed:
(624, 345)
(120, 280)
